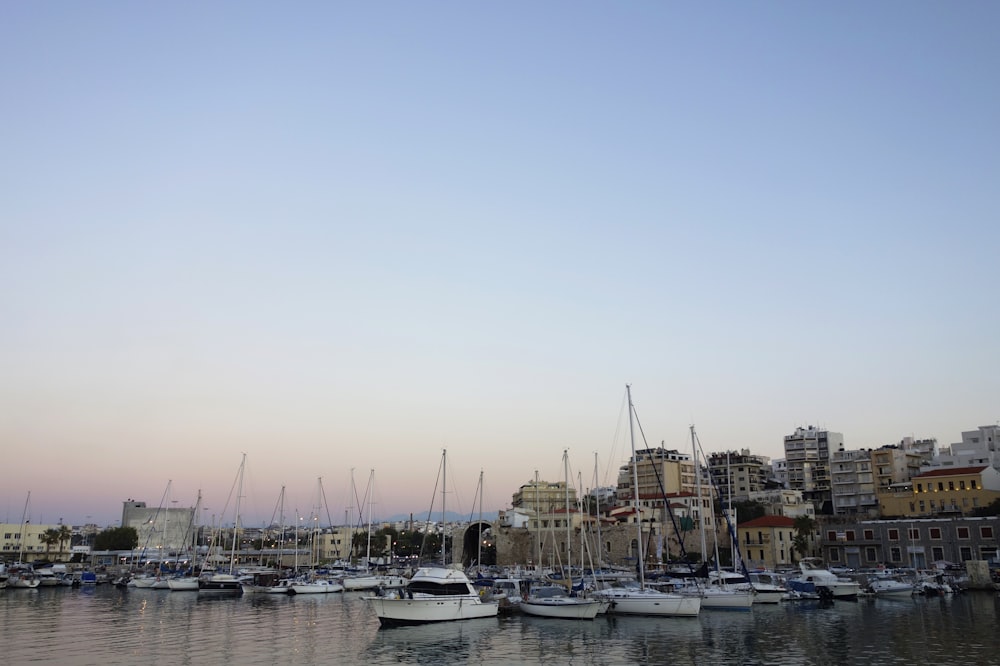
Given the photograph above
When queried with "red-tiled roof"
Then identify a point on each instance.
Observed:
(769, 521)
(952, 471)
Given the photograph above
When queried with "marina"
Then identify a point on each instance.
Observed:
(110, 625)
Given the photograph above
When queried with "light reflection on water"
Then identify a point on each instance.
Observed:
(111, 626)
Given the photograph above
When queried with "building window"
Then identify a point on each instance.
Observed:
(869, 535)
(951, 485)
(961, 485)
(941, 485)
(850, 535)
(835, 555)
(895, 554)
(893, 534)
(987, 552)
(913, 533)
(920, 487)
(963, 532)
(913, 507)
(871, 554)
(965, 553)
(937, 552)
(972, 484)
(831, 536)
(936, 534)
(986, 532)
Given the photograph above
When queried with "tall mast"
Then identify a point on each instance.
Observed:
(597, 509)
(371, 496)
(444, 491)
(569, 531)
(701, 508)
(538, 524)
(236, 525)
(635, 484)
(479, 555)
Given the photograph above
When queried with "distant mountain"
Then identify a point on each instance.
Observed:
(450, 516)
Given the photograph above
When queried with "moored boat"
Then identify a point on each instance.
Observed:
(434, 594)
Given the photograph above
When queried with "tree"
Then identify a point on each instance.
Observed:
(117, 538)
(804, 529)
(65, 534)
(49, 537)
(991, 509)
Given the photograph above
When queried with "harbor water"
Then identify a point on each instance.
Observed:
(108, 625)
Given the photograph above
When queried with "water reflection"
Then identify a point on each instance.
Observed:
(111, 626)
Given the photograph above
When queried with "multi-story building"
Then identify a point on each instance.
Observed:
(916, 543)
(766, 542)
(543, 496)
(978, 447)
(162, 530)
(784, 502)
(852, 483)
(736, 475)
(26, 541)
(942, 491)
(894, 464)
(779, 472)
(665, 476)
(807, 455)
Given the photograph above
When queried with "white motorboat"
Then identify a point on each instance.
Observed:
(631, 599)
(891, 586)
(815, 580)
(434, 594)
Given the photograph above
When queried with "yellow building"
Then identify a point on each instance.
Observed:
(766, 542)
(543, 496)
(942, 491)
(33, 547)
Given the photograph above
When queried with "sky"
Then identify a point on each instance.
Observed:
(342, 238)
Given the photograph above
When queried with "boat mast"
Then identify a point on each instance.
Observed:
(569, 531)
(444, 490)
(236, 525)
(371, 496)
(635, 484)
(701, 512)
(597, 509)
(538, 524)
(23, 535)
(479, 555)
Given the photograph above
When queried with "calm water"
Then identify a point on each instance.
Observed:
(111, 626)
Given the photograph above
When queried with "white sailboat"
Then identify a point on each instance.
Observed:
(720, 596)
(638, 599)
(222, 582)
(556, 601)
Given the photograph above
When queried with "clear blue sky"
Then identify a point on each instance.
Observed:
(344, 236)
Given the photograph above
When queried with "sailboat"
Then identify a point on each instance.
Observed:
(639, 599)
(435, 593)
(721, 595)
(554, 600)
(227, 582)
(183, 582)
(21, 574)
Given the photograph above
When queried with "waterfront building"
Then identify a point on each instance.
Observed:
(916, 543)
(852, 488)
(778, 472)
(807, 454)
(162, 531)
(784, 502)
(946, 490)
(665, 476)
(29, 539)
(543, 496)
(766, 542)
(737, 474)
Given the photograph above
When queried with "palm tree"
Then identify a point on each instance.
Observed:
(65, 534)
(804, 529)
(49, 537)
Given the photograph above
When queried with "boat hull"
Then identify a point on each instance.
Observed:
(584, 609)
(401, 612)
(646, 602)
